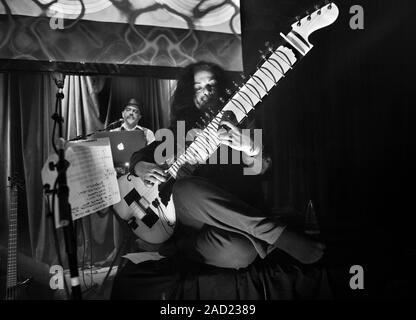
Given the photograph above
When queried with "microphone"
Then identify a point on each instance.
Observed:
(114, 123)
(59, 79)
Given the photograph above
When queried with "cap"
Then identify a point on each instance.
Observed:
(133, 102)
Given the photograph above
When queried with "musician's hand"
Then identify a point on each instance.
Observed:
(150, 173)
(121, 171)
(236, 139)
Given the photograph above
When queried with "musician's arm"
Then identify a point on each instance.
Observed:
(256, 158)
(261, 162)
(145, 154)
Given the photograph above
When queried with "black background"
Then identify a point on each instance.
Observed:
(340, 130)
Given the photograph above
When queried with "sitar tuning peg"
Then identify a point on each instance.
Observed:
(262, 54)
(214, 111)
(199, 125)
(243, 76)
(330, 4)
(222, 100)
(298, 20)
(202, 121)
(318, 8)
(268, 46)
(309, 16)
(235, 84)
(228, 91)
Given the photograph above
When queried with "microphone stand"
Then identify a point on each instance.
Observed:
(110, 126)
(63, 194)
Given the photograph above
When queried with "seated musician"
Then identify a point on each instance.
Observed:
(132, 114)
(219, 220)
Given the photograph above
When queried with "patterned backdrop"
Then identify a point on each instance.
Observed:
(132, 32)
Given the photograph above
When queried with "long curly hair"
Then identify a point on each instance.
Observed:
(183, 98)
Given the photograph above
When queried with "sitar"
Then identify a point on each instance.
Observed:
(150, 211)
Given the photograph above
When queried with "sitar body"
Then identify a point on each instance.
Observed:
(143, 209)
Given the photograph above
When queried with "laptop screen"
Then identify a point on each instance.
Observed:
(123, 144)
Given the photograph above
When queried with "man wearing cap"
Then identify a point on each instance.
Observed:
(131, 115)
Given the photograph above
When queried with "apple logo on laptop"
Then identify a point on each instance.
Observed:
(120, 146)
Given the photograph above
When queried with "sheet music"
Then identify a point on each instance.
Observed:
(91, 177)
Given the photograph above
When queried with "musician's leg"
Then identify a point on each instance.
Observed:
(200, 203)
(224, 249)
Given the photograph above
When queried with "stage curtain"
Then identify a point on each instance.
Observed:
(80, 105)
(153, 93)
(27, 102)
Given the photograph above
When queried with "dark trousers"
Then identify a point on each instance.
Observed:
(222, 230)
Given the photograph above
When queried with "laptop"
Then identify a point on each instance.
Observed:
(123, 144)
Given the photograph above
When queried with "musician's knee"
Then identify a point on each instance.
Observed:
(225, 249)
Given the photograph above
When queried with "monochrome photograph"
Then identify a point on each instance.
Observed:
(206, 155)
